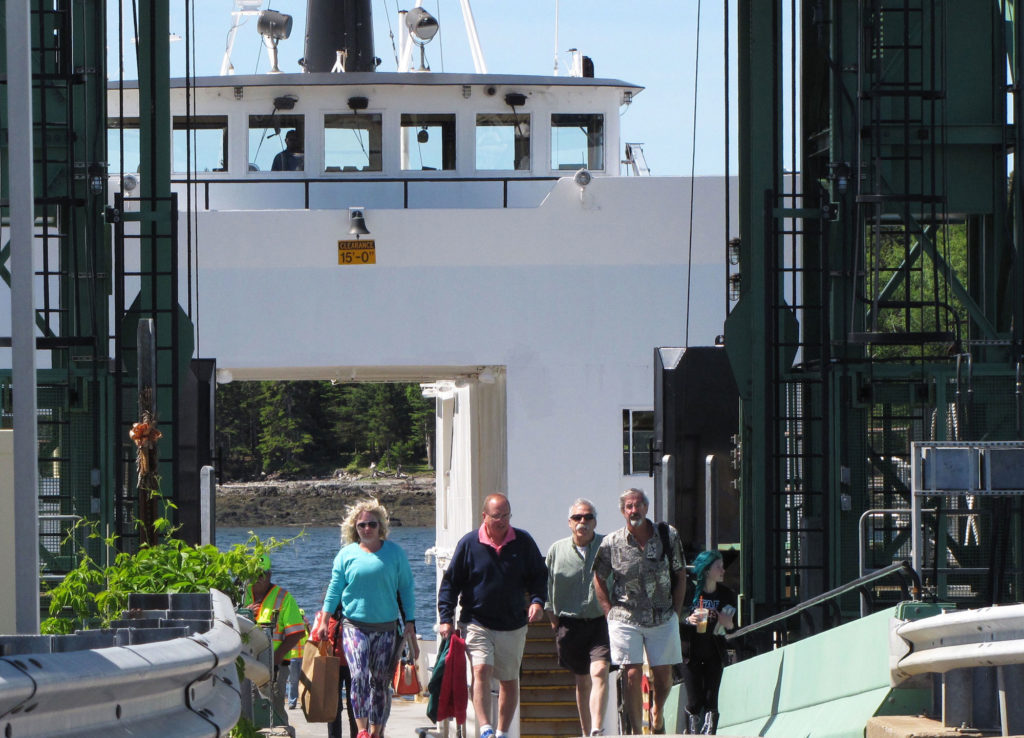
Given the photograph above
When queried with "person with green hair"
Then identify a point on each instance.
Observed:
(711, 617)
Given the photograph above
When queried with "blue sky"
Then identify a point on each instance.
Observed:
(650, 43)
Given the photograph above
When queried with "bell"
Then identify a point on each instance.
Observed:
(356, 223)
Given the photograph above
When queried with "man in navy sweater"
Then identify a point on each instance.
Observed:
(492, 571)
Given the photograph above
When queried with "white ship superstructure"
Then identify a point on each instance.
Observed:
(507, 265)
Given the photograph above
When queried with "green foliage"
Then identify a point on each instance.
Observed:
(244, 729)
(315, 427)
(92, 595)
(921, 287)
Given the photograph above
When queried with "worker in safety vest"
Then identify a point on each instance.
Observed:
(270, 603)
(295, 665)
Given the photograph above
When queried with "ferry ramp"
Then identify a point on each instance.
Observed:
(831, 684)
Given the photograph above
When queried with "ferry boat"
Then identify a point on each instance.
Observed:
(469, 231)
(491, 236)
(473, 232)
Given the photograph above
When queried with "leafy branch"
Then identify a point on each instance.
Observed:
(92, 595)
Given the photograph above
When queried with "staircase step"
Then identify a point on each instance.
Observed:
(550, 727)
(550, 693)
(539, 646)
(547, 677)
(540, 661)
(538, 710)
(547, 691)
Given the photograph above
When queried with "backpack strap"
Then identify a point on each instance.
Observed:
(662, 527)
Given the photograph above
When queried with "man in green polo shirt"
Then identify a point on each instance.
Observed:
(581, 631)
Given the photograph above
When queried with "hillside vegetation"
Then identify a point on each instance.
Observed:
(313, 429)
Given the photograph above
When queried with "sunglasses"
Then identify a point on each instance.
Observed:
(581, 516)
(367, 524)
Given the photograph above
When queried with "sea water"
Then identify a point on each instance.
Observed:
(303, 567)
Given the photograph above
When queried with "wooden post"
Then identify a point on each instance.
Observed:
(145, 435)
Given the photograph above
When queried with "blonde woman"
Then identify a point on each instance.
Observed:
(370, 573)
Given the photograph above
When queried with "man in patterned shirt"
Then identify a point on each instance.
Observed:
(643, 604)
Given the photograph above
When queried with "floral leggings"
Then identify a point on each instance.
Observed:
(369, 655)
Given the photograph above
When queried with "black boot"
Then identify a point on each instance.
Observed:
(693, 723)
(710, 723)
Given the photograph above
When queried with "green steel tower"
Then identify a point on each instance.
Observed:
(880, 296)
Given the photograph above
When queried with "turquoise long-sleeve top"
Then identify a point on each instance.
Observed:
(366, 584)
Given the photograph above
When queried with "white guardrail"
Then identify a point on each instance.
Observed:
(988, 636)
(177, 688)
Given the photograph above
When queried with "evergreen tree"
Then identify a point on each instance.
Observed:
(313, 428)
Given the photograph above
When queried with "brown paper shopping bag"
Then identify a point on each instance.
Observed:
(318, 683)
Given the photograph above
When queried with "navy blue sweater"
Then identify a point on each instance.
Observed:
(491, 587)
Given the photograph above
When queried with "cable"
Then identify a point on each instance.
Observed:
(693, 160)
(391, 31)
(135, 23)
(195, 216)
(728, 223)
(440, 40)
(189, 134)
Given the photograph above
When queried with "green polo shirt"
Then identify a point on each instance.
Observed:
(571, 579)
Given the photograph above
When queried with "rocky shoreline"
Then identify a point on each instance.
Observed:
(316, 502)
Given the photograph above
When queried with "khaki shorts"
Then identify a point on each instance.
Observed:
(501, 649)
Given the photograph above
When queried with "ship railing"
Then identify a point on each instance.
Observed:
(910, 585)
(391, 193)
(980, 655)
(161, 681)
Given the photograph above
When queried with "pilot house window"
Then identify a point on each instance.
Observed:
(130, 128)
(352, 143)
(203, 139)
(503, 142)
(277, 143)
(637, 435)
(428, 141)
(577, 141)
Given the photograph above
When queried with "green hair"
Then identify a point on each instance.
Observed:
(701, 565)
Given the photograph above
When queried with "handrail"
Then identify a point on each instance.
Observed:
(955, 644)
(903, 567)
(185, 687)
(988, 636)
(205, 183)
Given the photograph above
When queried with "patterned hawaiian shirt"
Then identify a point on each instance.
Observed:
(641, 588)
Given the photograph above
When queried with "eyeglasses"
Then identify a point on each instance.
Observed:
(367, 524)
(579, 517)
(501, 516)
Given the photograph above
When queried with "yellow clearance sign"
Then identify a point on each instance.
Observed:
(359, 251)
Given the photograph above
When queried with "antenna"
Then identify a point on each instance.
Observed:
(556, 38)
(242, 8)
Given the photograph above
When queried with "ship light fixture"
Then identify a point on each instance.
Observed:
(422, 27)
(732, 249)
(581, 179)
(274, 27)
(734, 286)
(357, 222)
(358, 103)
(421, 24)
